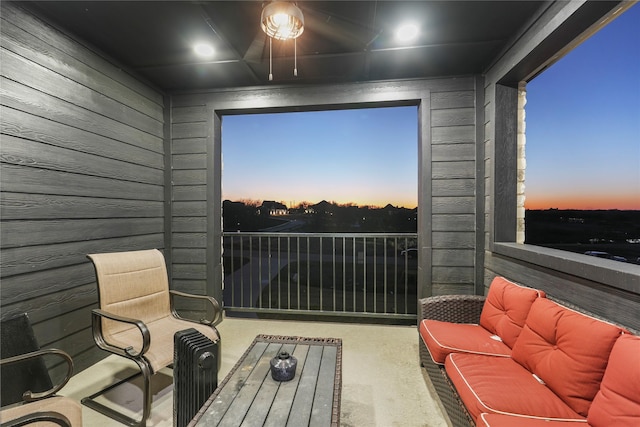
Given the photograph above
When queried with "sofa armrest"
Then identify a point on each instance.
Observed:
(452, 308)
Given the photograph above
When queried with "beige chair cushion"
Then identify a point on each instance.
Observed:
(160, 353)
(60, 404)
(132, 284)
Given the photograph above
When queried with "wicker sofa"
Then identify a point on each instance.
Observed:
(517, 358)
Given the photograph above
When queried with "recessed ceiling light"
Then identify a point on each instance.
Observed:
(407, 32)
(203, 49)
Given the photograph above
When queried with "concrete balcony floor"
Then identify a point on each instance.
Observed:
(382, 382)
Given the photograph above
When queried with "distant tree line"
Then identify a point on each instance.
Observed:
(323, 217)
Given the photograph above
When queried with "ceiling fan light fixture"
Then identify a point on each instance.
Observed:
(282, 20)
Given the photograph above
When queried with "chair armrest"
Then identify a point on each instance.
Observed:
(98, 336)
(217, 311)
(452, 308)
(29, 396)
(37, 417)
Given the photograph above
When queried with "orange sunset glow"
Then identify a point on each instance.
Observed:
(584, 202)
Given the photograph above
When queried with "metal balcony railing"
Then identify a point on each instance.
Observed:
(341, 274)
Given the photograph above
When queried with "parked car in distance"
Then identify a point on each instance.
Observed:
(607, 255)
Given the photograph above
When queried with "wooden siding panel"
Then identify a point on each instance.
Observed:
(453, 240)
(458, 275)
(189, 256)
(83, 169)
(189, 177)
(453, 152)
(454, 222)
(189, 130)
(16, 233)
(453, 205)
(459, 99)
(41, 283)
(189, 240)
(453, 117)
(24, 152)
(51, 83)
(50, 57)
(453, 135)
(189, 146)
(190, 193)
(189, 161)
(18, 179)
(453, 187)
(198, 113)
(453, 257)
(27, 259)
(31, 101)
(189, 224)
(41, 130)
(457, 169)
(41, 206)
(73, 49)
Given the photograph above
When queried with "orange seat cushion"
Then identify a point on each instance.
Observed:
(618, 400)
(442, 338)
(501, 385)
(567, 350)
(506, 308)
(499, 420)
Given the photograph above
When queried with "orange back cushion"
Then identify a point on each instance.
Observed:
(506, 307)
(618, 401)
(567, 350)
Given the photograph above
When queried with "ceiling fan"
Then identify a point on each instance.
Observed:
(326, 31)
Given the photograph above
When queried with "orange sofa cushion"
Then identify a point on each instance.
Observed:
(442, 338)
(618, 400)
(567, 350)
(506, 308)
(501, 385)
(499, 420)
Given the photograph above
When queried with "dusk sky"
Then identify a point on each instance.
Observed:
(583, 124)
(583, 140)
(363, 156)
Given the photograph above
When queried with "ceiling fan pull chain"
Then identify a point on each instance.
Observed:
(295, 57)
(270, 60)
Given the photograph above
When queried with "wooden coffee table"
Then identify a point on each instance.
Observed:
(250, 397)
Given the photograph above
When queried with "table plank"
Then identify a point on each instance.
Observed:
(303, 400)
(245, 397)
(262, 403)
(279, 413)
(225, 398)
(323, 402)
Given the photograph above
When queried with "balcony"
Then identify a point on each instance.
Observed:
(382, 382)
(358, 275)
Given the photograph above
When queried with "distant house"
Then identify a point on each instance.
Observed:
(272, 208)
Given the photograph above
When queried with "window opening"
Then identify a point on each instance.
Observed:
(583, 147)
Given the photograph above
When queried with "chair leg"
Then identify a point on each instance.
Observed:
(146, 373)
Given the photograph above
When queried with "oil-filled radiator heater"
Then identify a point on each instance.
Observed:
(195, 374)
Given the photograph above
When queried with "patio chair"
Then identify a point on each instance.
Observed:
(137, 319)
(28, 395)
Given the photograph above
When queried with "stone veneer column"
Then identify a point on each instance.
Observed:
(522, 163)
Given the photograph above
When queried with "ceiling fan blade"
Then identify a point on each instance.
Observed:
(337, 28)
(256, 49)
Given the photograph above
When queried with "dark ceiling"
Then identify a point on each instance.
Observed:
(343, 41)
